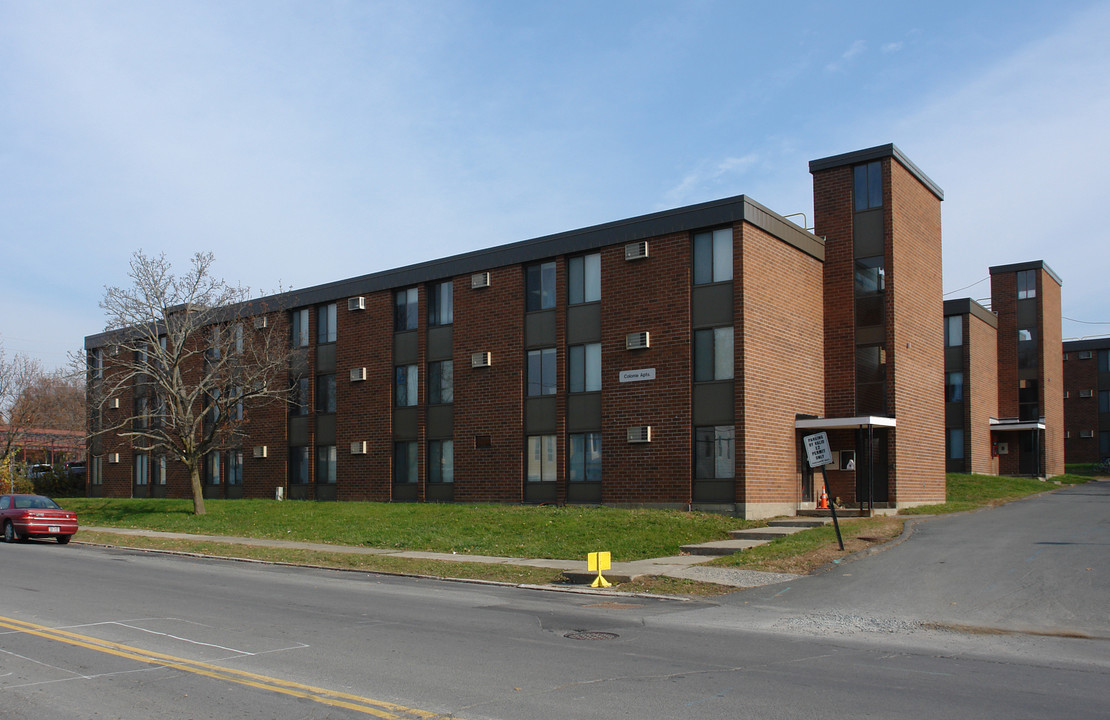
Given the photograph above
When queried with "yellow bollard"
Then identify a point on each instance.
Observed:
(596, 562)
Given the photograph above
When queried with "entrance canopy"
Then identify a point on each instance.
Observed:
(1015, 424)
(844, 423)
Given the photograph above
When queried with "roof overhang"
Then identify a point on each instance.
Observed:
(1011, 424)
(842, 423)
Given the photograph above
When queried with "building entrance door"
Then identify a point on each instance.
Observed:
(872, 470)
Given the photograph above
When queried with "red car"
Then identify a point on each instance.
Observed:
(25, 516)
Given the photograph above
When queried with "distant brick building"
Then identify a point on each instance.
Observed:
(1087, 400)
(674, 359)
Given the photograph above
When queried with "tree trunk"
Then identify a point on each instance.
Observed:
(198, 490)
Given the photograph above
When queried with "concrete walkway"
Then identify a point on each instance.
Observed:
(679, 566)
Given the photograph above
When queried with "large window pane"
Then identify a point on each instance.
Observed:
(441, 461)
(541, 458)
(584, 279)
(540, 286)
(234, 467)
(441, 382)
(141, 469)
(954, 382)
(713, 354)
(714, 452)
(867, 185)
(713, 256)
(298, 465)
(406, 309)
(405, 462)
(299, 327)
(584, 463)
(956, 443)
(406, 386)
(325, 393)
(441, 304)
(954, 330)
(325, 464)
(325, 323)
(584, 369)
(541, 372)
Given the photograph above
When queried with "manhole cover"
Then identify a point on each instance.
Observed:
(590, 635)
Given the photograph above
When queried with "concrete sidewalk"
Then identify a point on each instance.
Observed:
(679, 566)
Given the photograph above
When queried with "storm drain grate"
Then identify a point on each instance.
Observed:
(590, 635)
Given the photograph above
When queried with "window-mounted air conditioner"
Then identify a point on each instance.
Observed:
(479, 280)
(114, 403)
(1085, 355)
(1086, 433)
(261, 451)
(113, 458)
(636, 250)
(639, 434)
(356, 303)
(1086, 393)
(358, 447)
(637, 341)
(481, 359)
(261, 322)
(358, 374)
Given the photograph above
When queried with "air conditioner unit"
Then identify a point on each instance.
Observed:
(358, 374)
(637, 341)
(1086, 393)
(481, 359)
(479, 280)
(358, 447)
(114, 403)
(113, 458)
(636, 250)
(261, 451)
(356, 303)
(261, 322)
(1085, 355)
(639, 434)
(1086, 433)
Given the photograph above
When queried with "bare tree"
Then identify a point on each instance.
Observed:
(18, 375)
(188, 350)
(56, 400)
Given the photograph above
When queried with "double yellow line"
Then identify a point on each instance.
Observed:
(347, 701)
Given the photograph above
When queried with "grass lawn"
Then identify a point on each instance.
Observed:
(502, 530)
(967, 492)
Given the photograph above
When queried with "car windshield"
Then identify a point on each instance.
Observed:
(35, 502)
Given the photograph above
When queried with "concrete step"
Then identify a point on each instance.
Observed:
(853, 512)
(800, 522)
(721, 548)
(764, 533)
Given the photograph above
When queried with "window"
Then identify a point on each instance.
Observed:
(584, 279)
(713, 256)
(1025, 335)
(1104, 444)
(870, 275)
(299, 404)
(405, 309)
(954, 330)
(441, 461)
(325, 465)
(584, 368)
(871, 379)
(954, 386)
(541, 372)
(541, 458)
(325, 393)
(96, 471)
(141, 419)
(405, 462)
(713, 354)
(1026, 284)
(539, 286)
(584, 463)
(867, 183)
(234, 467)
(160, 470)
(441, 382)
(405, 385)
(440, 304)
(141, 468)
(955, 443)
(212, 468)
(1027, 349)
(96, 360)
(237, 333)
(1029, 401)
(298, 465)
(1104, 360)
(212, 414)
(1104, 401)
(299, 327)
(237, 405)
(325, 323)
(715, 452)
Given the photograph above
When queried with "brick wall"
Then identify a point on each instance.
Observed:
(980, 393)
(832, 212)
(1051, 362)
(1081, 413)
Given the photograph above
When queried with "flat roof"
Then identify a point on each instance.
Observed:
(876, 153)
(1030, 265)
(1098, 343)
(1015, 424)
(840, 423)
(967, 306)
(726, 211)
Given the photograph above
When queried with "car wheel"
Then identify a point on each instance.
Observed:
(9, 532)
(63, 539)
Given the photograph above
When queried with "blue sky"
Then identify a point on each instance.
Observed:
(304, 142)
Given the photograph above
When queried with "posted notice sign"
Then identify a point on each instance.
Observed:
(817, 449)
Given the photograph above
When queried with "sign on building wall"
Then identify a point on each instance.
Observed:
(817, 449)
(637, 375)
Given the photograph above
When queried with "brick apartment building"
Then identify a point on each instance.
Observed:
(1004, 377)
(675, 359)
(1087, 400)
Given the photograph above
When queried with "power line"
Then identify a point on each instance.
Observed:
(988, 277)
(1083, 322)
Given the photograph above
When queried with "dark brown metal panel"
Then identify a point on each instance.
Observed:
(325, 429)
(539, 329)
(299, 428)
(541, 492)
(584, 492)
(439, 492)
(325, 358)
(540, 415)
(405, 423)
(406, 492)
(714, 403)
(441, 421)
(584, 324)
(439, 343)
(404, 348)
(711, 305)
(867, 233)
(584, 412)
